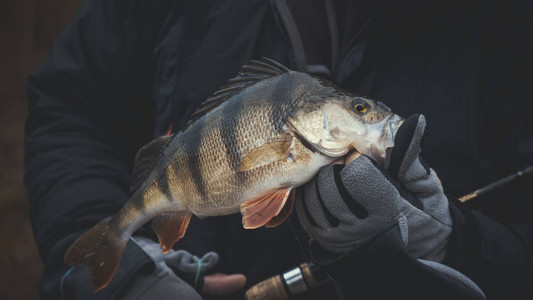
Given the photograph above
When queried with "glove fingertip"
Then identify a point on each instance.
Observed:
(412, 128)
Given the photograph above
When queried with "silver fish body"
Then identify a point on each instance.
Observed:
(266, 132)
(211, 150)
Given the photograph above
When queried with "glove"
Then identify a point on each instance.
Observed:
(344, 207)
(382, 269)
(145, 273)
(177, 275)
(163, 283)
(369, 227)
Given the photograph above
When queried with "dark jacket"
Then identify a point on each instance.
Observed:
(124, 71)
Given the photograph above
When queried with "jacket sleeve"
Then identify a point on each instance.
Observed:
(90, 109)
(495, 256)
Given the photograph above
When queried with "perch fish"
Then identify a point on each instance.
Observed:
(264, 133)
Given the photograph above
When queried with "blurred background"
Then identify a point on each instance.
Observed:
(28, 29)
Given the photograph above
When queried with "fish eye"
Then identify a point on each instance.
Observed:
(360, 108)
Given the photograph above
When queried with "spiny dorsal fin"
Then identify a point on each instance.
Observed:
(250, 74)
(146, 159)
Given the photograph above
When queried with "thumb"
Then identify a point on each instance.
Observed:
(223, 284)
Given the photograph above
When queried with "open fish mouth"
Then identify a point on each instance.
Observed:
(380, 140)
(377, 143)
(393, 125)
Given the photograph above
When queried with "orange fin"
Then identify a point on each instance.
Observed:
(266, 154)
(100, 248)
(284, 213)
(258, 212)
(170, 227)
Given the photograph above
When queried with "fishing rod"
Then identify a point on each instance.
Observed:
(308, 276)
(291, 283)
(496, 184)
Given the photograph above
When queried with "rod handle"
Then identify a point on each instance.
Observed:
(269, 289)
(282, 286)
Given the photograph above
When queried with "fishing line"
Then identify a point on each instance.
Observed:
(303, 251)
(298, 240)
(63, 281)
(198, 271)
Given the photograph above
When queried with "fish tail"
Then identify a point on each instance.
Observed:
(100, 248)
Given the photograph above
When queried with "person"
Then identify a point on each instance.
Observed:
(125, 72)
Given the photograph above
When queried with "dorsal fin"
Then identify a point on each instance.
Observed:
(250, 74)
(146, 159)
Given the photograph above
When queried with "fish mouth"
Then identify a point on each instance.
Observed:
(380, 139)
(388, 137)
(376, 144)
(393, 126)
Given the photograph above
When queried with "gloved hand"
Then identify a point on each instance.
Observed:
(370, 228)
(179, 275)
(345, 206)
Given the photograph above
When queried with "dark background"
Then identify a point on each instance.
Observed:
(27, 30)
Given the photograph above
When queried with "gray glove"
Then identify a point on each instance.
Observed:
(163, 283)
(345, 206)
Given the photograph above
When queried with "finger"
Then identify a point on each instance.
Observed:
(223, 284)
(407, 144)
(339, 161)
(303, 212)
(312, 204)
(184, 261)
(332, 200)
(355, 207)
(351, 157)
(369, 187)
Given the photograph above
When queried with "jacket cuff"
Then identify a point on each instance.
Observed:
(487, 252)
(75, 206)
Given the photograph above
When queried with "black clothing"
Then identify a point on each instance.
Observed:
(385, 259)
(124, 71)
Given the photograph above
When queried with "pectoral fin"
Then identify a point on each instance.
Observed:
(266, 154)
(170, 227)
(258, 212)
(284, 213)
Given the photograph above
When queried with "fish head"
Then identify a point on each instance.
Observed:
(337, 125)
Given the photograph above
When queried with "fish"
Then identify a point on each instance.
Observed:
(261, 135)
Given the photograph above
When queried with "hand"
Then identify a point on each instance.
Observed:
(178, 274)
(223, 284)
(218, 284)
(382, 269)
(343, 207)
(371, 228)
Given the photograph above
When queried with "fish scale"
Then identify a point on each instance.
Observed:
(264, 133)
(250, 127)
